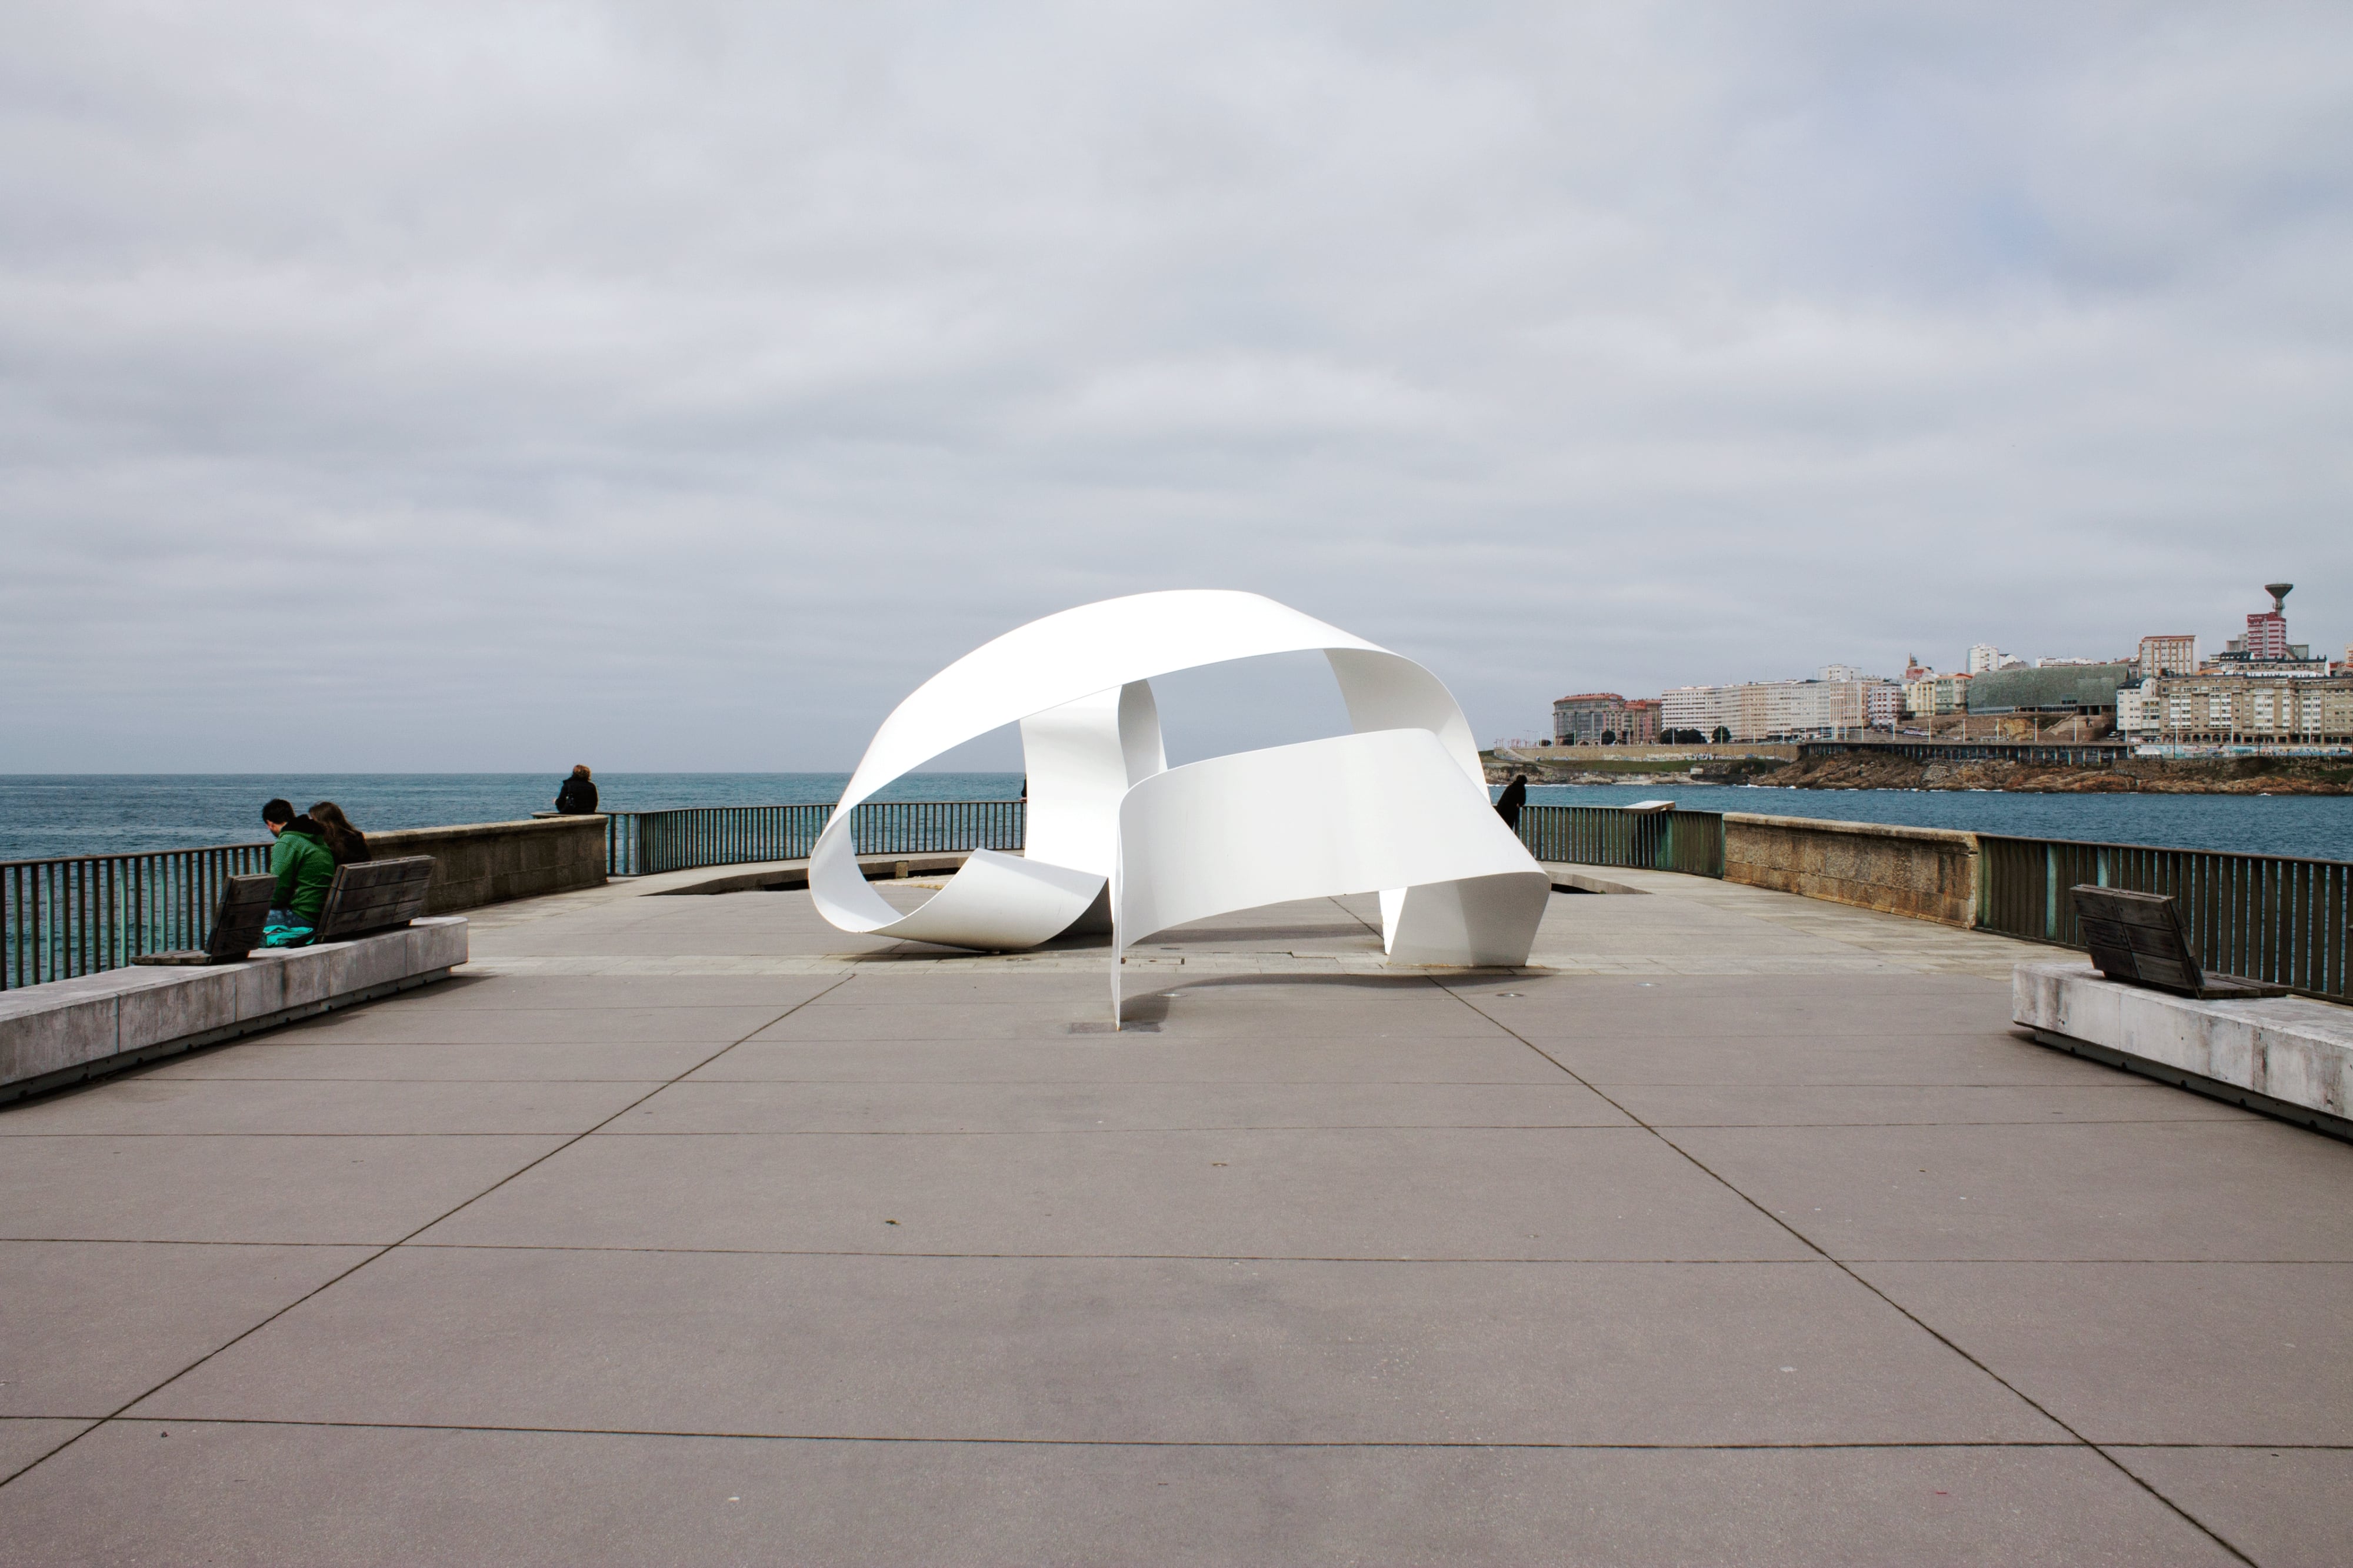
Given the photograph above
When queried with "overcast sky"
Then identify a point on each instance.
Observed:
(486, 386)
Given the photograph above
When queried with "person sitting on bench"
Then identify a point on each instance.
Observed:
(347, 843)
(301, 863)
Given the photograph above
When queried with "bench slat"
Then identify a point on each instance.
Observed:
(371, 894)
(2138, 938)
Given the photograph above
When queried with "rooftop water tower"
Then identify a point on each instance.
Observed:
(2279, 593)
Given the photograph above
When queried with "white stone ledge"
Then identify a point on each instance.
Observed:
(72, 1029)
(2286, 1056)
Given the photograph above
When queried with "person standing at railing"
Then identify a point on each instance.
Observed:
(301, 863)
(578, 796)
(1515, 796)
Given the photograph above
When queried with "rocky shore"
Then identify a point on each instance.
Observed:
(2155, 775)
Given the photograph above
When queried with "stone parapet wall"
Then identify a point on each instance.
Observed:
(488, 862)
(1926, 873)
(66, 1030)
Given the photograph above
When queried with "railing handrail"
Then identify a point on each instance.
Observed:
(1687, 841)
(2164, 849)
(2282, 919)
(807, 805)
(676, 838)
(69, 915)
(131, 854)
(66, 915)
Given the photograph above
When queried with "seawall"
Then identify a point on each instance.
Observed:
(487, 862)
(1926, 873)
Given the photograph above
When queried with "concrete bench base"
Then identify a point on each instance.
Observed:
(68, 1030)
(2284, 1056)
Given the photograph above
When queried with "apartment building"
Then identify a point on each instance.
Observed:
(1584, 719)
(1761, 709)
(2240, 709)
(2167, 653)
(1932, 694)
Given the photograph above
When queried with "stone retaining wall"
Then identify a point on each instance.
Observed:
(486, 862)
(1926, 873)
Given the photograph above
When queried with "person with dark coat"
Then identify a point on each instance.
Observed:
(1515, 796)
(344, 842)
(578, 796)
(300, 863)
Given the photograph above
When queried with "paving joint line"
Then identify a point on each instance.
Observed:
(1219, 1443)
(1222, 1127)
(2020, 1394)
(387, 1248)
(1588, 1261)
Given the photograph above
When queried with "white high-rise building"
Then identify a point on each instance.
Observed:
(1984, 655)
(1760, 709)
(2139, 712)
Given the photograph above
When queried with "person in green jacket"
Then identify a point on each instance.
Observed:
(301, 863)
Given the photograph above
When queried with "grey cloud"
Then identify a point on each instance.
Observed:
(683, 383)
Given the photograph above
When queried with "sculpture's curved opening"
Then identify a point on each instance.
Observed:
(1244, 704)
(1396, 804)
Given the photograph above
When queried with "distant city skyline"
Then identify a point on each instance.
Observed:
(1966, 663)
(1837, 697)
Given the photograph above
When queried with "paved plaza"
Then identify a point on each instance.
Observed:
(1744, 1229)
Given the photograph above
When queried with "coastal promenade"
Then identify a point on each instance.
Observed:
(1739, 1228)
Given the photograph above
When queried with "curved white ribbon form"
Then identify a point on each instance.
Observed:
(1399, 807)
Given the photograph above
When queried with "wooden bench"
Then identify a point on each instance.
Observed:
(236, 925)
(374, 895)
(2138, 938)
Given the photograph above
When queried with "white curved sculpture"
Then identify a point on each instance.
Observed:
(1117, 837)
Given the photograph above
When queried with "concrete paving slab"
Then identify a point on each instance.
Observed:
(22, 1442)
(1204, 1008)
(2254, 1189)
(1912, 1105)
(2261, 1501)
(150, 1104)
(718, 1026)
(348, 1496)
(1404, 1192)
(2153, 1352)
(911, 985)
(1106, 1350)
(87, 1327)
(1773, 1007)
(274, 1057)
(1132, 1057)
(467, 992)
(351, 1190)
(708, 1106)
(1803, 1005)
(1981, 1058)
(1777, 994)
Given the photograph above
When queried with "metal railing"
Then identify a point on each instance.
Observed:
(1690, 842)
(641, 843)
(64, 918)
(2268, 917)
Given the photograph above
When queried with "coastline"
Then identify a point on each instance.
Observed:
(2142, 775)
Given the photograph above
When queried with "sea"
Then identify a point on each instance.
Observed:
(45, 815)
